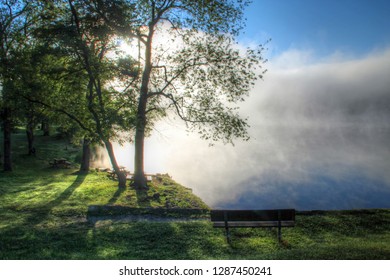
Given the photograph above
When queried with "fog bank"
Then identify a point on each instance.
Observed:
(320, 140)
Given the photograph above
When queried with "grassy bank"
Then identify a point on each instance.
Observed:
(44, 215)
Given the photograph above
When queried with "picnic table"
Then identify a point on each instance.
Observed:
(60, 163)
(129, 176)
(111, 173)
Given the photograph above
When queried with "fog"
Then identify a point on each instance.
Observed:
(320, 134)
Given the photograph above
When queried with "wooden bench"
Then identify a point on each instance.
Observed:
(253, 218)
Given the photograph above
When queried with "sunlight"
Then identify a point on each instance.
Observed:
(164, 41)
(130, 48)
(157, 154)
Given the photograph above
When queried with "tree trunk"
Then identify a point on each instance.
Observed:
(121, 175)
(85, 159)
(139, 174)
(7, 139)
(30, 138)
(45, 127)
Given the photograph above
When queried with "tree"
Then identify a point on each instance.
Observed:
(14, 29)
(103, 110)
(30, 83)
(189, 64)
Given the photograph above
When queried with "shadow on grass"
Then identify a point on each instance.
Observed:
(143, 199)
(116, 195)
(180, 240)
(41, 214)
(155, 240)
(158, 241)
(141, 240)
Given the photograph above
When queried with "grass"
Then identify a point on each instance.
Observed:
(44, 215)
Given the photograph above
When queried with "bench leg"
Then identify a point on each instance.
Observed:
(227, 227)
(279, 226)
(227, 235)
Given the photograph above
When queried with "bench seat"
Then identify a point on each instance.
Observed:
(254, 224)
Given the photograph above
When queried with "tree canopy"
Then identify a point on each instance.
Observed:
(191, 65)
(182, 59)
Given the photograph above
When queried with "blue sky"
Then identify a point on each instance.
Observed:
(354, 27)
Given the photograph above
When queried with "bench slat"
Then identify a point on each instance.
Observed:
(253, 215)
(255, 224)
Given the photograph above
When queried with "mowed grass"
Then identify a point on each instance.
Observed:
(44, 215)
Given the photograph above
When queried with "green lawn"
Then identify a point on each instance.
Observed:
(44, 215)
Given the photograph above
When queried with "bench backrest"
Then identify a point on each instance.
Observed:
(252, 215)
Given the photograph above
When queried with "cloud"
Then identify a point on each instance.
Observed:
(320, 134)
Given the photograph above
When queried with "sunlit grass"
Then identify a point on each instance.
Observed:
(77, 239)
(44, 215)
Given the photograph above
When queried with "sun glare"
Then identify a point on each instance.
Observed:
(130, 48)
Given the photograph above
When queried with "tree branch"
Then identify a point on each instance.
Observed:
(178, 109)
(59, 110)
(169, 83)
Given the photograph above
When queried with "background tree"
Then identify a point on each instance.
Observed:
(189, 64)
(55, 84)
(15, 20)
(29, 81)
(90, 44)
